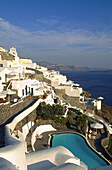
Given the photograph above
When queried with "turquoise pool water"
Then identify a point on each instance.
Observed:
(77, 145)
(89, 104)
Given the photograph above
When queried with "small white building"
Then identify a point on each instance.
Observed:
(13, 51)
(15, 73)
(7, 60)
(27, 86)
(60, 82)
(11, 59)
(23, 87)
(10, 73)
(56, 78)
(97, 103)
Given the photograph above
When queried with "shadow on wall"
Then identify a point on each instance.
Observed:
(41, 165)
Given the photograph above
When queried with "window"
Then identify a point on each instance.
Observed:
(1, 65)
(0, 78)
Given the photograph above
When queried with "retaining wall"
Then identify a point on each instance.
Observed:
(104, 143)
(74, 101)
(7, 110)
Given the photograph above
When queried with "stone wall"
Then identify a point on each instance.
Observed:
(38, 76)
(74, 101)
(47, 81)
(31, 117)
(7, 111)
(60, 92)
(91, 109)
(104, 144)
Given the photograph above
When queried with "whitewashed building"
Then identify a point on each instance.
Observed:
(23, 87)
(27, 86)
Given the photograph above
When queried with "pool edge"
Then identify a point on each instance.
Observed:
(87, 142)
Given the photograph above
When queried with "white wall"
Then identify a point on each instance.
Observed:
(23, 115)
(57, 79)
(70, 91)
(9, 63)
(26, 128)
(54, 83)
(38, 131)
(29, 65)
(49, 100)
(38, 92)
(42, 68)
(55, 156)
(98, 104)
(21, 85)
(14, 151)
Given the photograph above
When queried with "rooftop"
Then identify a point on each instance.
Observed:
(6, 56)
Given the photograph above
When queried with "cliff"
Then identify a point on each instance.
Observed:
(106, 113)
(60, 67)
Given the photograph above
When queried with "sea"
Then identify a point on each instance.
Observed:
(98, 83)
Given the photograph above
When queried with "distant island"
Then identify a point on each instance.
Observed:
(70, 67)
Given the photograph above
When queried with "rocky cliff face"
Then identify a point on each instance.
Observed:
(87, 94)
(106, 112)
(60, 67)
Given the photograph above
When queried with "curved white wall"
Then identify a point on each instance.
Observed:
(28, 111)
(23, 115)
(39, 130)
(26, 128)
(57, 155)
(14, 151)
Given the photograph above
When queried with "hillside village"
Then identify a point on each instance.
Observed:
(17, 76)
(21, 77)
(24, 85)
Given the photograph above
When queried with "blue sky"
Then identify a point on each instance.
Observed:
(74, 32)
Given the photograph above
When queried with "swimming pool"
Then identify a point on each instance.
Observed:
(77, 145)
(89, 104)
